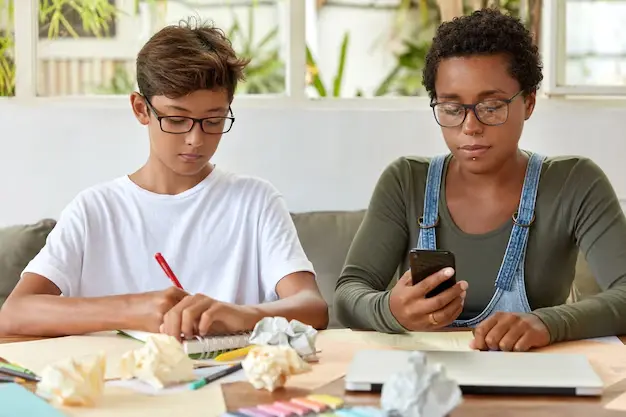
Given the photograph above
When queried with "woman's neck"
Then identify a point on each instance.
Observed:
(511, 171)
(157, 178)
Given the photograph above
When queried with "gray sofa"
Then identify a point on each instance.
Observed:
(325, 236)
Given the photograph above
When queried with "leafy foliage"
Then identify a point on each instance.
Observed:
(7, 65)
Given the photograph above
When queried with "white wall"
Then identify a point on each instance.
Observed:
(321, 159)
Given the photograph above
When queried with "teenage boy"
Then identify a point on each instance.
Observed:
(228, 238)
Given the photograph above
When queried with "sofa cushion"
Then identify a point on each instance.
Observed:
(326, 238)
(18, 245)
(585, 284)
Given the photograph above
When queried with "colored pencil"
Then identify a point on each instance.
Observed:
(211, 378)
(20, 374)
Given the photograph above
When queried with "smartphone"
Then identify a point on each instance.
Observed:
(427, 262)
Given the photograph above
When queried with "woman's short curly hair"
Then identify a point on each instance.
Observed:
(486, 32)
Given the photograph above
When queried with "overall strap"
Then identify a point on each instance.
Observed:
(522, 220)
(430, 218)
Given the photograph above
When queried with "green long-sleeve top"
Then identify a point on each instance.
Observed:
(576, 209)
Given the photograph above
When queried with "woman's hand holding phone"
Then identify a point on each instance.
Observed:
(415, 312)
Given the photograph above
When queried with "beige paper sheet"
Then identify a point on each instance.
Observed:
(35, 355)
(119, 402)
(455, 341)
(618, 404)
(607, 359)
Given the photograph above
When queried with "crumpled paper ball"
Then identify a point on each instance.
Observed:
(422, 390)
(268, 367)
(160, 362)
(74, 382)
(277, 331)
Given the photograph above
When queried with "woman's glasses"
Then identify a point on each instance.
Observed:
(492, 112)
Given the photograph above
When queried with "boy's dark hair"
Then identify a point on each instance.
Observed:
(486, 32)
(183, 58)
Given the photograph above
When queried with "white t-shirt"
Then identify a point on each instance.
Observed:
(230, 237)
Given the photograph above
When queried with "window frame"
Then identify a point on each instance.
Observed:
(553, 48)
(294, 19)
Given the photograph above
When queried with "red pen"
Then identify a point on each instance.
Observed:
(168, 271)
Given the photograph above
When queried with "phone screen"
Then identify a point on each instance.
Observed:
(428, 262)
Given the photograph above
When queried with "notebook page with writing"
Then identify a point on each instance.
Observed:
(203, 347)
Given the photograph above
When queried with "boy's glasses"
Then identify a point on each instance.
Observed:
(216, 125)
(491, 112)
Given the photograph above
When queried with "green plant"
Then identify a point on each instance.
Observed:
(95, 15)
(316, 79)
(150, 2)
(120, 83)
(266, 72)
(7, 65)
(405, 78)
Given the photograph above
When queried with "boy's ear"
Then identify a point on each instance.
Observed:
(140, 108)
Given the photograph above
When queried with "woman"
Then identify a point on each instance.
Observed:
(514, 220)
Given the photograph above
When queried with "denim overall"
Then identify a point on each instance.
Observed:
(510, 292)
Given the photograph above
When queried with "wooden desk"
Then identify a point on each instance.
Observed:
(13, 339)
(240, 394)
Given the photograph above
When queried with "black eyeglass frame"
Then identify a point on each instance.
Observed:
(195, 120)
(472, 107)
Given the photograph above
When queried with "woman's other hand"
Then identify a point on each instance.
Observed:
(510, 332)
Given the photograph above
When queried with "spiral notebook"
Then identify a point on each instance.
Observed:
(207, 347)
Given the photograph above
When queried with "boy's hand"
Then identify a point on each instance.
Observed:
(149, 308)
(201, 315)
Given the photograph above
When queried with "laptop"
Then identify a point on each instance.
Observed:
(479, 372)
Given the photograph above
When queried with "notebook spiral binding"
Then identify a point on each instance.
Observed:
(213, 346)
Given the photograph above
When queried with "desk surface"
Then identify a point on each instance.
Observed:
(240, 394)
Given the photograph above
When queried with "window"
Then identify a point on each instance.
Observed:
(7, 62)
(71, 19)
(365, 48)
(303, 50)
(254, 28)
(92, 50)
(586, 48)
(78, 48)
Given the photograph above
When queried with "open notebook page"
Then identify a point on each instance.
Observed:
(195, 347)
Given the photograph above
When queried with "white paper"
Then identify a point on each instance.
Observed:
(160, 362)
(268, 367)
(277, 331)
(612, 340)
(74, 382)
(422, 390)
(144, 388)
